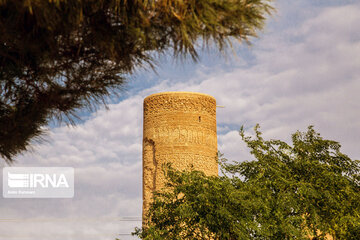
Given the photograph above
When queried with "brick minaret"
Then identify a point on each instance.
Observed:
(179, 128)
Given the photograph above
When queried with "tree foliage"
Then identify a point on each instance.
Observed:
(293, 191)
(57, 56)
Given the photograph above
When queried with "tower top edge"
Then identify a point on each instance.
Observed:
(179, 93)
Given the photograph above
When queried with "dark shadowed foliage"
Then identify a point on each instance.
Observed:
(57, 56)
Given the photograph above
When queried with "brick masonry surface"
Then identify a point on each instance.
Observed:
(179, 128)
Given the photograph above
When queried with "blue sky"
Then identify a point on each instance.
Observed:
(303, 70)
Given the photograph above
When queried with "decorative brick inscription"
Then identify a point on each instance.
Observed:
(179, 128)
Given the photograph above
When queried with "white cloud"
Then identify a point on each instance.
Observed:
(106, 154)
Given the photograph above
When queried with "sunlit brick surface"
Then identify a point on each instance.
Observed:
(179, 128)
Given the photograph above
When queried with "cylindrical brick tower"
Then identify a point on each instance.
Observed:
(179, 128)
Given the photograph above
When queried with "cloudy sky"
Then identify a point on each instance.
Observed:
(303, 70)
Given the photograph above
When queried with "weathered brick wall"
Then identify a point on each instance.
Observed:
(179, 128)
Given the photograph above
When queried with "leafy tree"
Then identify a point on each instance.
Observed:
(57, 56)
(293, 191)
